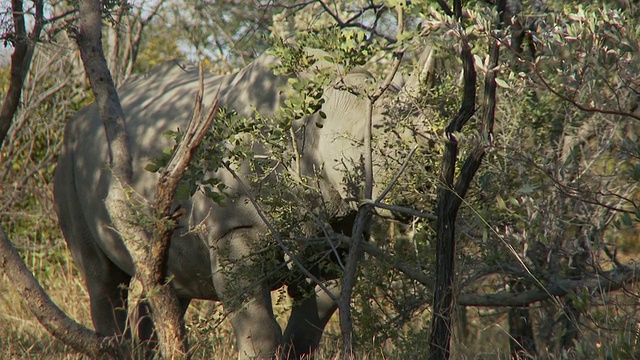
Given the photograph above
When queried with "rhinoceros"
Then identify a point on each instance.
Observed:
(212, 237)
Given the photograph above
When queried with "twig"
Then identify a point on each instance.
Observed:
(363, 218)
(399, 209)
(606, 282)
(551, 89)
(275, 233)
(397, 176)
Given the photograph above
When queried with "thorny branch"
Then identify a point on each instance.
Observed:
(378, 9)
(363, 218)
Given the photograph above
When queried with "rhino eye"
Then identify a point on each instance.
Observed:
(319, 125)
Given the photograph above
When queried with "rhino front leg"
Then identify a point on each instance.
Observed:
(241, 283)
(307, 321)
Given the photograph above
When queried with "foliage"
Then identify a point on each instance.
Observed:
(31, 148)
(157, 46)
(558, 176)
(556, 198)
(225, 33)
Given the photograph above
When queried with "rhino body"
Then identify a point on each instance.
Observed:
(212, 236)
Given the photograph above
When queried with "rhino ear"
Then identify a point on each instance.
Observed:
(424, 71)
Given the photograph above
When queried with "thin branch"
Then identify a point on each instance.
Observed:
(24, 46)
(350, 23)
(275, 234)
(61, 16)
(373, 250)
(363, 219)
(397, 176)
(608, 281)
(551, 89)
(399, 209)
(577, 194)
(175, 170)
(581, 107)
(445, 7)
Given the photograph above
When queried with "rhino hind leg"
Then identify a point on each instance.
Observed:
(107, 286)
(105, 282)
(108, 303)
(307, 321)
(103, 279)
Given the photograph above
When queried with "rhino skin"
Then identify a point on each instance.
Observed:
(212, 236)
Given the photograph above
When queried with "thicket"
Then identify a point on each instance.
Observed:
(547, 235)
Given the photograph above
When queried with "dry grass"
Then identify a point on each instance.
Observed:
(22, 336)
(211, 337)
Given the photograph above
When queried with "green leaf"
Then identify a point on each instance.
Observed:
(182, 192)
(527, 189)
(501, 203)
(635, 172)
(152, 168)
(503, 84)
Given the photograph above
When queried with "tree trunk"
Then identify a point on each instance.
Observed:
(450, 195)
(569, 323)
(449, 201)
(24, 45)
(54, 320)
(521, 342)
(148, 252)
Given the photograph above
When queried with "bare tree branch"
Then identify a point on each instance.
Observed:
(173, 174)
(399, 209)
(604, 282)
(24, 45)
(361, 226)
(48, 313)
(608, 281)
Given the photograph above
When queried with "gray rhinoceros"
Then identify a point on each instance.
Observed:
(212, 238)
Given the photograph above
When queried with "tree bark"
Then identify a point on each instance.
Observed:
(521, 339)
(449, 201)
(450, 195)
(54, 320)
(149, 252)
(24, 45)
